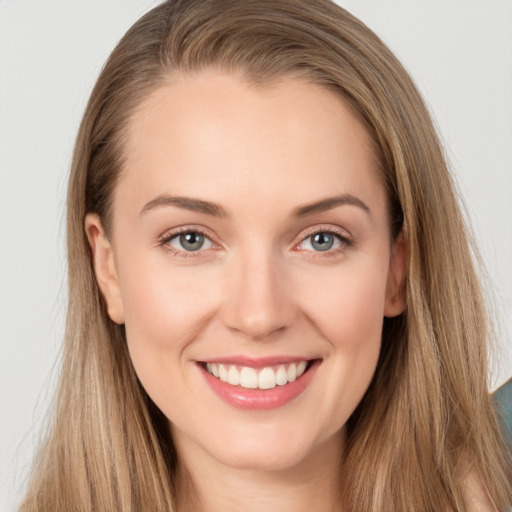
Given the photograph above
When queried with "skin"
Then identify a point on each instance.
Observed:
(259, 288)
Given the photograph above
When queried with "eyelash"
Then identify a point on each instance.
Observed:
(346, 242)
(167, 237)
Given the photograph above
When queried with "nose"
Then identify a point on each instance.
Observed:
(259, 300)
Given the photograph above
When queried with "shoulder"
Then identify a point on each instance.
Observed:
(477, 497)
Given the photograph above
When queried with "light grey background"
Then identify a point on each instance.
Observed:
(459, 52)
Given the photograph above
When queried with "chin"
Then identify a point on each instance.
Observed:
(268, 459)
(269, 449)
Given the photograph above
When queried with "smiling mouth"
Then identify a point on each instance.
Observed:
(268, 377)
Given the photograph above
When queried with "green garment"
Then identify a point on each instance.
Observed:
(503, 398)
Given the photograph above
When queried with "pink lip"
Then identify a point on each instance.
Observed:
(259, 399)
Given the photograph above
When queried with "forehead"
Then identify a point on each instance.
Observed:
(213, 136)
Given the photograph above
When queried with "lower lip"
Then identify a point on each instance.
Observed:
(260, 399)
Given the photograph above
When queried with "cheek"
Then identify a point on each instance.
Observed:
(349, 317)
(349, 309)
(162, 300)
(165, 310)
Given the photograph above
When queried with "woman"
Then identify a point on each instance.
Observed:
(272, 300)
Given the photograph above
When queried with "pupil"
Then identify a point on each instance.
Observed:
(322, 241)
(192, 241)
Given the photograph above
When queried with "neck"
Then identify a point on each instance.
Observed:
(204, 484)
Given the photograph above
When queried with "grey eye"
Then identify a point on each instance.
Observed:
(322, 241)
(190, 241)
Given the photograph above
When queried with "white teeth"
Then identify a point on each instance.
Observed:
(267, 379)
(223, 373)
(234, 376)
(281, 376)
(249, 378)
(292, 372)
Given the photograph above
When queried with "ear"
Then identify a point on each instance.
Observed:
(102, 255)
(395, 287)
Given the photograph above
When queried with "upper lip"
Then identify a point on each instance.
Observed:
(258, 362)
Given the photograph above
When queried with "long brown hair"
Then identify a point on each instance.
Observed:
(426, 420)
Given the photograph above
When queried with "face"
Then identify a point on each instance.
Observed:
(251, 263)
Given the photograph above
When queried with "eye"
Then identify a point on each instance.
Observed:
(188, 241)
(324, 241)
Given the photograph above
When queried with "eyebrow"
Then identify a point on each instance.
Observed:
(216, 210)
(187, 203)
(330, 203)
